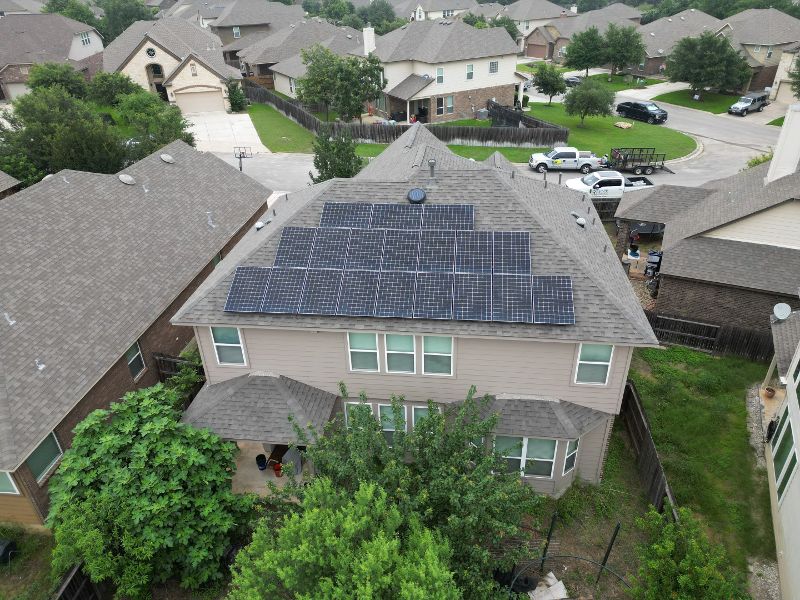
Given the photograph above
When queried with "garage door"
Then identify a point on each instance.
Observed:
(785, 93)
(17, 89)
(194, 102)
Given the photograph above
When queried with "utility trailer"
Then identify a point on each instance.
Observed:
(637, 160)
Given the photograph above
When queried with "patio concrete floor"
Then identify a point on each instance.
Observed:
(248, 478)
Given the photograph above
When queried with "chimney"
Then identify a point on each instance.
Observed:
(574, 9)
(369, 39)
(786, 158)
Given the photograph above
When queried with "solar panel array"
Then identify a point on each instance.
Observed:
(404, 261)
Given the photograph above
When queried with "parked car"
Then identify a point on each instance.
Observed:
(608, 184)
(573, 80)
(754, 101)
(642, 111)
(568, 159)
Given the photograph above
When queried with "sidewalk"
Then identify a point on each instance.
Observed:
(652, 91)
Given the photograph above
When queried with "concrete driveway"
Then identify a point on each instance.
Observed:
(280, 171)
(221, 132)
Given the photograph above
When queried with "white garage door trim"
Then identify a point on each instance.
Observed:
(203, 101)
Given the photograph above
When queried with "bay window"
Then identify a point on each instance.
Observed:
(571, 457)
(7, 485)
(530, 457)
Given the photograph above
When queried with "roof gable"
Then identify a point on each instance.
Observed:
(38, 38)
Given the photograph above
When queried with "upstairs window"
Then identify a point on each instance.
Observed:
(292, 85)
(400, 353)
(193, 69)
(769, 51)
(447, 13)
(437, 355)
(237, 33)
(86, 39)
(440, 75)
(470, 71)
(135, 360)
(363, 351)
(594, 362)
(44, 457)
(756, 49)
(228, 345)
(494, 66)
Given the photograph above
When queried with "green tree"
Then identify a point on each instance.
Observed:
(336, 10)
(49, 74)
(107, 89)
(315, 87)
(548, 81)
(445, 471)
(20, 167)
(335, 155)
(352, 20)
(156, 123)
(473, 20)
(376, 12)
(623, 46)
(678, 561)
(141, 497)
(74, 9)
(312, 7)
(508, 24)
(794, 78)
(121, 14)
(589, 99)
(358, 81)
(236, 96)
(357, 546)
(707, 61)
(585, 50)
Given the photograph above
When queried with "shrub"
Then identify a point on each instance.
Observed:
(525, 100)
(51, 74)
(236, 97)
(108, 88)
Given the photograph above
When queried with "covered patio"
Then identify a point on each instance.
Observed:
(401, 104)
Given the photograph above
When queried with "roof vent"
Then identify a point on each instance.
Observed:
(683, 18)
(126, 179)
(349, 36)
(581, 222)
(167, 158)
(259, 225)
(416, 195)
(781, 311)
(670, 20)
(653, 33)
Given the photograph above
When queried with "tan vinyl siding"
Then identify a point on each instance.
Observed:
(592, 452)
(776, 226)
(18, 508)
(319, 358)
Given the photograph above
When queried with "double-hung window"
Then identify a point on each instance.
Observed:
(228, 345)
(594, 362)
(86, 39)
(391, 422)
(440, 106)
(572, 455)
(7, 485)
(470, 71)
(448, 104)
(447, 13)
(237, 33)
(440, 75)
(437, 355)
(292, 85)
(135, 360)
(530, 457)
(769, 51)
(44, 457)
(400, 353)
(363, 351)
(494, 66)
(784, 456)
(419, 412)
(351, 407)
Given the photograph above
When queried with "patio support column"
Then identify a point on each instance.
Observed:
(770, 371)
(408, 111)
(520, 92)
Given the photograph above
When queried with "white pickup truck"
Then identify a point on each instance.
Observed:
(568, 159)
(608, 184)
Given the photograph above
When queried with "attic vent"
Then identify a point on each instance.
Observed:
(653, 33)
(126, 179)
(416, 195)
(167, 158)
(349, 36)
(670, 20)
(781, 311)
(683, 18)
(661, 51)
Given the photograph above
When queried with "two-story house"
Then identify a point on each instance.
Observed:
(530, 14)
(8, 185)
(176, 59)
(92, 267)
(432, 10)
(31, 39)
(761, 35)
(421, 276)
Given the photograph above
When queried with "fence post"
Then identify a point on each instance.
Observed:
(547, 543)
(608, 552)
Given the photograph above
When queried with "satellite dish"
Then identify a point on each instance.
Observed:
(126, 179)
(167, 158)
(782, 311)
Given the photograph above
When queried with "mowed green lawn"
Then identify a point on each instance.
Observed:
(709, 101)
(696, 406)
(619, 83)
(599, 134)
(279, 133)
(777, 122)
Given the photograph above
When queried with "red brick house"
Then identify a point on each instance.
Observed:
(93, 267)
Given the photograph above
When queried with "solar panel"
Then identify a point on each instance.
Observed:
(247, 289)
(472, 297)
(474, 251)
(330, 249)
(511, 298)
(321, 292)
(346, 214)
(284, 291)
(448, 216)
(434, 296)
(552, 300)
(396, 216)
(437, 250)
(512, 252)
(400, 250)
(396, 294)
(357, 298)
(365, 250)
(295, 246)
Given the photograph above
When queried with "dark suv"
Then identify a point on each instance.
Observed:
(643, 111)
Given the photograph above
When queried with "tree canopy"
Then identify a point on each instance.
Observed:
(586, 49)
(355, 545)
(548, 80)
(481, 22)
(623, 46)
(118, 15)
(707, 61)
(794, 78)
(49, 74)
(589, 99)
(141, 497)
(335, 155)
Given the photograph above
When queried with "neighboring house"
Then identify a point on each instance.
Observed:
(32, 39)
(731, 248)
(445, 70)
(431, 10)
(93, 267)
(177, 59)
(19, 7)
(8, 185)
(530, 14)
(761, 35)
(661, 36)
(782, 85)
(550, 40)
(423, 315)
(783, 448)
(281, 50)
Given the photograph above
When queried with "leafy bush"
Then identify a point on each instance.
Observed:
(236, 97)
(334, 155)
(107, 89)
(156, 123)
(759, 160)
(48, 75)
(589, 99)
(189, 377)
(525, 100)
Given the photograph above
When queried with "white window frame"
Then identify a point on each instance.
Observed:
(292, 85)
(405, 420)
(440, 99)
(439, 75)
(352, 402)
(86, 39)
(451, 355)
(237, 33)
(193, 69)
(527, 25)
(578, 363)
(350, 355)
(470, 71)
(769, 51)
(523, 457)
(240, 345)
(756, 49)
(567, 454)
(449, 107)
(13, 484)
(494, 64)
(414, 414)
(24, 69)
(49, 468)
(792, 453)
(387, 352)
(140, 355)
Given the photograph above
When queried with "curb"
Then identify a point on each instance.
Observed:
(699, 149)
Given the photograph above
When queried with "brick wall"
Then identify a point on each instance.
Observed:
(718, 304)
(466, 103)
(763, 78)
(652, 66)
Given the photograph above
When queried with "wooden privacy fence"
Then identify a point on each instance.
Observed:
(719, 339)
(169, 366)
(534, 133)
(76, 585)
(648, 464)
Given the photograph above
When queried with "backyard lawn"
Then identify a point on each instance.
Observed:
(696, 406)
(619, 83)
(531, 67)
(279, 133)
(709, 101)
(27, 577)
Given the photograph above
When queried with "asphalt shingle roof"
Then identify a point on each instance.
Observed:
(661, 35)
(7, 182)
(289, 41)
(37, 38)
(411, 85)
(617, 13)
(257, 407)
(543, 417)
(605, 306)
(670, 200)
(529, 10)
(786, 338)
(88, 263)
(437, 5)
(258, 12)
(764, 26)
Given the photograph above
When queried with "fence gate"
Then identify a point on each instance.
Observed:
(77, 586)
(168, 365)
